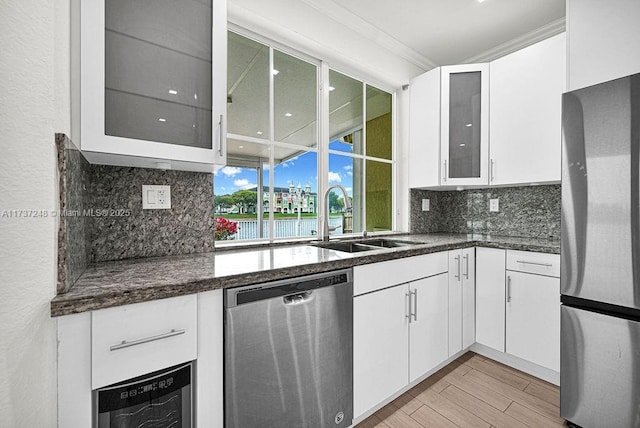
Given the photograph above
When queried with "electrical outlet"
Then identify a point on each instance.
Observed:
(425, 205)
(494, 205)
(156, 197)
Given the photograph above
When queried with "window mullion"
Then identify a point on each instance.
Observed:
(272, 134)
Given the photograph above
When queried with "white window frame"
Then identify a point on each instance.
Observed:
(322, 150)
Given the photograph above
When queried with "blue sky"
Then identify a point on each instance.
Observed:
(301, 170)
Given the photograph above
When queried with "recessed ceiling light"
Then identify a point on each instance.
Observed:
(480, 1)
(275, 72)
(462, 145)
(173, 92)
(331, 88)
(469, 125)
(162, 120)
(241, 147)
(259, 132)
(195, 96)
(288, 114)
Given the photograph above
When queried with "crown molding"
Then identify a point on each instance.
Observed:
(551, 29)
(343, 16)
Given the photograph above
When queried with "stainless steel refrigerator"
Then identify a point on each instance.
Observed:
(600, 277)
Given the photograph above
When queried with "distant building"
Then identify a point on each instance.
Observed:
(289, 200)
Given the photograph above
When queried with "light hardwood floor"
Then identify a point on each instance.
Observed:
(473, 391)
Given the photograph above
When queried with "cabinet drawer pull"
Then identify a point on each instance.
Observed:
(125, 344)
(466, 258)
(492, 168)
(408, 295)
(458, 261)
(415, 304)
(508, 288)
(222, 134)
(534, 263)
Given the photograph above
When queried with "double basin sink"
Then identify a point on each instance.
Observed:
(364, 245)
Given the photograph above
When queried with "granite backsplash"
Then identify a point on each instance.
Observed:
(527, 211)
(103, 217)
(73, 183)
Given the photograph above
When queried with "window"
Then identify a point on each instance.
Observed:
(272, 187)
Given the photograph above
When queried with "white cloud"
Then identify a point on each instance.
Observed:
(348, 167)
(231, 171)
(334, 177)
(243, 183)
(349, 189)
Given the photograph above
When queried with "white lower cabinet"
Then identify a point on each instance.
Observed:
(490, 297)
(380, 346)
(462, 299)
(533, 314)
(400, 331)
(428, 327)
(106, 346)
(399, 334)
(518, 304)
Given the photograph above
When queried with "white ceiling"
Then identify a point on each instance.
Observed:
(452, 31)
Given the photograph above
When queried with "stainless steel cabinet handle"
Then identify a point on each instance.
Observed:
(409, 315)
(458, 261)
(415, 304)
(534, 263)
(508, 288)
(492, 168)
(466, 258)
(444, 171)
(222, 133)
(125, 344)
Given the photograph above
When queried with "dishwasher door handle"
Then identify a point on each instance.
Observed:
(297, 299)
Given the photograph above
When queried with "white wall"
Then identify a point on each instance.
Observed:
(603, 40)
(32, 70)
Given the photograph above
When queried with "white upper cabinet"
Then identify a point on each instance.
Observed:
(464, 124)
(603, 40)
(424, 130)
(526, 93)
(449, 127)
(153, 83)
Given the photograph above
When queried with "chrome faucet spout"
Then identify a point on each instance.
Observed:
(347, 205)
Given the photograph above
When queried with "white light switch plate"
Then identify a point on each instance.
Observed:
(156, 197)
(425, 205)
(494, 205)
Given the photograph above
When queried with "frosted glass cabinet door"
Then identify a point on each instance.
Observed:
(465, 124)
(150, 79)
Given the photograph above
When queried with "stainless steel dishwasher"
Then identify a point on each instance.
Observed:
(289, 353)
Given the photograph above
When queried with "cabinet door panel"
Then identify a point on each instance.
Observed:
(424, 130)
(464, 124)
(428, 337)
(380, 346)
(533, 318)
(455, 301)
(490, 297)
(468, 297)
(526, 91)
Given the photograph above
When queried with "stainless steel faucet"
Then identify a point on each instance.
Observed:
(347, 205)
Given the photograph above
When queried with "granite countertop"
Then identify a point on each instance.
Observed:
(116, 283)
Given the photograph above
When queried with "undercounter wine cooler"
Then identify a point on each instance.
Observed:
(161, 399)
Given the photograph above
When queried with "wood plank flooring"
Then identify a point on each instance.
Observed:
(473, 391)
